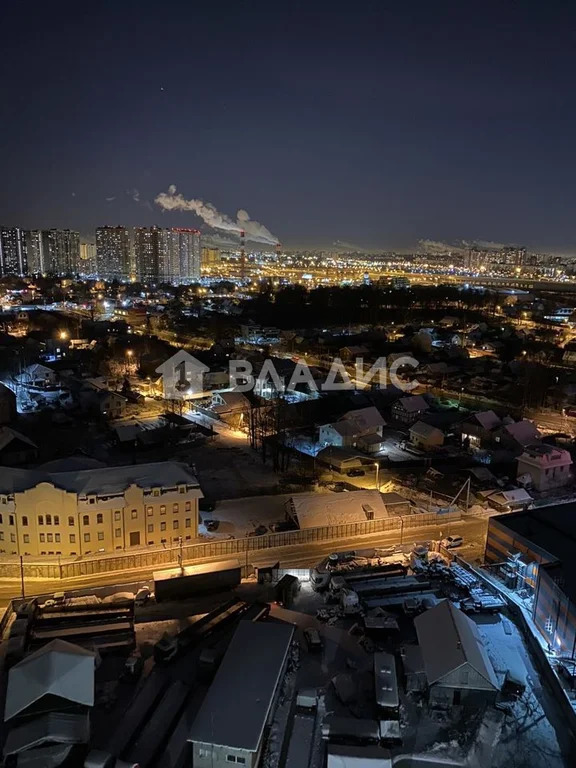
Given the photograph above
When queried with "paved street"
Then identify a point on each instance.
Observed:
(473, 529)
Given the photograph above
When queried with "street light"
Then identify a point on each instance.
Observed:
(377, 465)
(63, 335)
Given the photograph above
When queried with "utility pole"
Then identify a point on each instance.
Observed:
(22, 576)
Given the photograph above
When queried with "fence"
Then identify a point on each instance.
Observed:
(154, 558)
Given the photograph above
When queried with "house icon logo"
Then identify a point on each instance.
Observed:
(182, 376)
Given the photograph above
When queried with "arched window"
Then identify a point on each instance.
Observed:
(86, 520)
(48, 519)
(40, 520)
(56, 519)
(24, 520)
(99, 517)
(71, 521)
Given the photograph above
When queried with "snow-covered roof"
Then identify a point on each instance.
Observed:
(486, 419)
(449, 639)
(58, 669)
(365, 418)
(358, 757)
(421, 429)
(413, 403)
(317, 509)
(516, 496)
(235, 710)
(161, 474)
(524, 432)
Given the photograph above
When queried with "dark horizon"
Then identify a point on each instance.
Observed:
(376, 125)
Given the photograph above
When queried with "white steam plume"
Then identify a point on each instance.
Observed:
(172, 201)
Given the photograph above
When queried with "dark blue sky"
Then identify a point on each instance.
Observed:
(377, 123)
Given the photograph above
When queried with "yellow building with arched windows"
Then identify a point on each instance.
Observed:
(97, 511)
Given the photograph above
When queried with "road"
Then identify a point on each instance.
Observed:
(472, 529)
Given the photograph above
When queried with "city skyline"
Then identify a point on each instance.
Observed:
(379, 128)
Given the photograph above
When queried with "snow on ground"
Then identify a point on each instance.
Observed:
(527, 734)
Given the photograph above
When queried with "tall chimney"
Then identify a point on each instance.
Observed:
(242, 254)
(278, 250)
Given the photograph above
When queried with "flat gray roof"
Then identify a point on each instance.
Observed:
(236, 708)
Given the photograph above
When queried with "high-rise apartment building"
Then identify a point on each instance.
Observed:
(35, 251)
(148, 248)
(87, 265)
(61, 251)
(13, 255)
(113, 252)
(169, 255)
(210, 256)
(180, 254)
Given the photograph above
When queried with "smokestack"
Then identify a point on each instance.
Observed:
(278, 250)
(242, 254)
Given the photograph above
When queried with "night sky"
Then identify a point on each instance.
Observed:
(374, 123)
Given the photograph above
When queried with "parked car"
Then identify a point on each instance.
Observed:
(450, 542)
(212, 525)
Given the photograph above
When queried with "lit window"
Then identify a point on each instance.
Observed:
(42, 537)
(50, 537)
(118, 533)
(162, 509)
(134, 514)
(72, 538)
(57, 537)
(26, 538)
(149, 511)
(174, 507)
(117, 515)
(188, 506)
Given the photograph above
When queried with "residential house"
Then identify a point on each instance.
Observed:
(349, 354)
(477, 429)
(38, 375)
(16, 448)
(516, 436)
(513, 500)
(110, 405)
(546, 466)
(425, 436)
(231, 407)
(361, 428)
(457, 668)
(410, 409)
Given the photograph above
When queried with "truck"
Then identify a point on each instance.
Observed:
(181, 583)
(286, 590)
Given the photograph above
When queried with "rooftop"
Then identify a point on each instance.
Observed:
(100, 481)
(316, 509)
(252, 677)
(449, 639)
